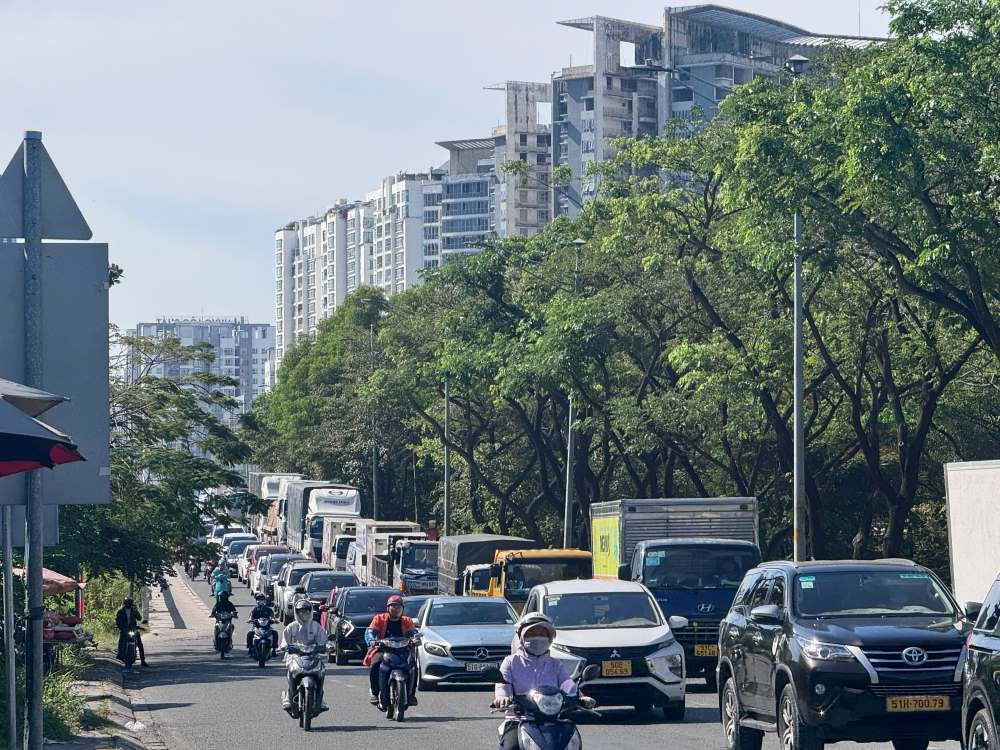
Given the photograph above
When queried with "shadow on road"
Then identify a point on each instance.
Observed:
(160, 706)
(631, 717)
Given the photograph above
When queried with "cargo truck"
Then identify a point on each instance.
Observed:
(411, 566)
(514, 572)
(690, 552)
(366, 528)
(308, 504)
(267, 487)
(456, 553)
(972, 496)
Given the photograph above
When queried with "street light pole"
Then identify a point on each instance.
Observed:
(797, 66)
(371, 345)
(447, 457)
(571, 432)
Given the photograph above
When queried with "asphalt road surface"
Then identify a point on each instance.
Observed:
(198, 701)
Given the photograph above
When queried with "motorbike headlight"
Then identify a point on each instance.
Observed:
(438, 649)
(824, 651)
(667, 663)
(550, 705)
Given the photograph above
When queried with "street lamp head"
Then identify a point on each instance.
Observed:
(579, 241)
(797, 64)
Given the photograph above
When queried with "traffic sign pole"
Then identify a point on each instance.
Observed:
(33, 528)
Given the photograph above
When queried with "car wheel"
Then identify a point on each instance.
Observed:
(737, 737)
(791, 731)
(674, 712)
(910, 744)
(982, 733)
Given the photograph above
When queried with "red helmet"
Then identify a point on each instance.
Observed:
(394, 599)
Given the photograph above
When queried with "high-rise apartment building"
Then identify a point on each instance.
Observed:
(682, 69)
(243, 351)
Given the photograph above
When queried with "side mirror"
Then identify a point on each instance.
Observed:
(972, 610)
(768, 614)
(676, 622)
(591, 673)
(624, 572)
(300, 589)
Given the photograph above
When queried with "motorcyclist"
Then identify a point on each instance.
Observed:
(303, 631)
(126, 619)
(530, 667)
(220, 581)
(389, 624)
(222, 604)
(261, 609)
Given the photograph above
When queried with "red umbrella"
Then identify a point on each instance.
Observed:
(27, 444)
(54, 583)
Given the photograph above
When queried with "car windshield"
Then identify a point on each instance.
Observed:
(522, 576)
(297, 574)
(470, 613)
(697, 567)
(420, 556)
(366, 602)
(273, 566)
(342, 546)
(221, 532)
(616, 609)
(238, 546)
(868, 593)
(318, 583)
(412, 605)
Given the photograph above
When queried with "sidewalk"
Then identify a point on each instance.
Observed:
(110, 710)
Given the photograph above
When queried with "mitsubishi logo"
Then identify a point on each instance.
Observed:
(615, 654)
(481, 654)
(706, 608)
(914, 655)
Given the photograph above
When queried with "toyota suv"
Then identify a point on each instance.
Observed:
(869, 651)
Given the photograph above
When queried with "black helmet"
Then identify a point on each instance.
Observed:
(260, 597)
(128, 602)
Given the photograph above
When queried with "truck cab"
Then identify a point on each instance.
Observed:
(515, 572)
(696, 579)
(415, 566)
(476, 580)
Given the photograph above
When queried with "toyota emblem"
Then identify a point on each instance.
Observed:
(914, 656)
(706, 608)
(482, 653)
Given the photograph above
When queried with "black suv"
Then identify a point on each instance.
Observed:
(982, 676)
(869, 651)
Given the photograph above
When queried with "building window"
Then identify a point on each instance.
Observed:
(683, 94)
(542, 140)
(541, 159)
(523, 139)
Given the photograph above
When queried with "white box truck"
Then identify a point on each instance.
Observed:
(973, 498)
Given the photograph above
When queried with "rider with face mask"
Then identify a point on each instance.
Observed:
(303, 631)
(530, 667)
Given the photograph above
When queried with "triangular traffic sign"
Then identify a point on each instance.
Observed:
(61, 218)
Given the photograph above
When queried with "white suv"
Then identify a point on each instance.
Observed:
(618, 626)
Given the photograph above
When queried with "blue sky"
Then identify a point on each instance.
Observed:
(189, 130)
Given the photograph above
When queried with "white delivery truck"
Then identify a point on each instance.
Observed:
(367, 527)
(266, 486)
(308, 506)
(973, 497)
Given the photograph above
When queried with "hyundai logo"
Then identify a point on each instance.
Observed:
(615, 654)
(706, 608)
(482, 653)
(914, 655)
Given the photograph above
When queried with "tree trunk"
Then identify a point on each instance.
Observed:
(859, 544)
(892, 544)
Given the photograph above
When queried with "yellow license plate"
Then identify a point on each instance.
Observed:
(708, 650)
(911, 703)
(621, 668)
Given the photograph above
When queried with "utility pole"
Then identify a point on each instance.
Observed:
(371, 345)
(571, 432)
(8, 621)
(33, 479)
(447, 458)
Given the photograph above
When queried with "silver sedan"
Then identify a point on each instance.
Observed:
(464, 639)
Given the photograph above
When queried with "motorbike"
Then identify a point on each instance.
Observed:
(223, 633)
(545, 720)
(207, 569)
(307, 669)
(131, 647)
(398, 661)
(262, 645)
(193, 569)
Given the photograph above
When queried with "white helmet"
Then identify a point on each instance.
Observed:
(533, 620)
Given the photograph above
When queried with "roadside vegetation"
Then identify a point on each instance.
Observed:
(674, 338)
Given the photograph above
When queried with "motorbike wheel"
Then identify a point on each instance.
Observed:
(390, 709)
(262, 653)
(302, 707)
(129, 655)
(309, 709)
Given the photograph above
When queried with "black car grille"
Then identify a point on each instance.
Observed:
(597, 655)
(889, 661)
(700, 630)
(952, 689)
(468, 653)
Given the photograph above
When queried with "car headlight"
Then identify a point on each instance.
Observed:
(438, 649)
(667, 662)
(550, 705)
(824, 651)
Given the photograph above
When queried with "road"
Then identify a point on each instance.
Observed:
(198, 701)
